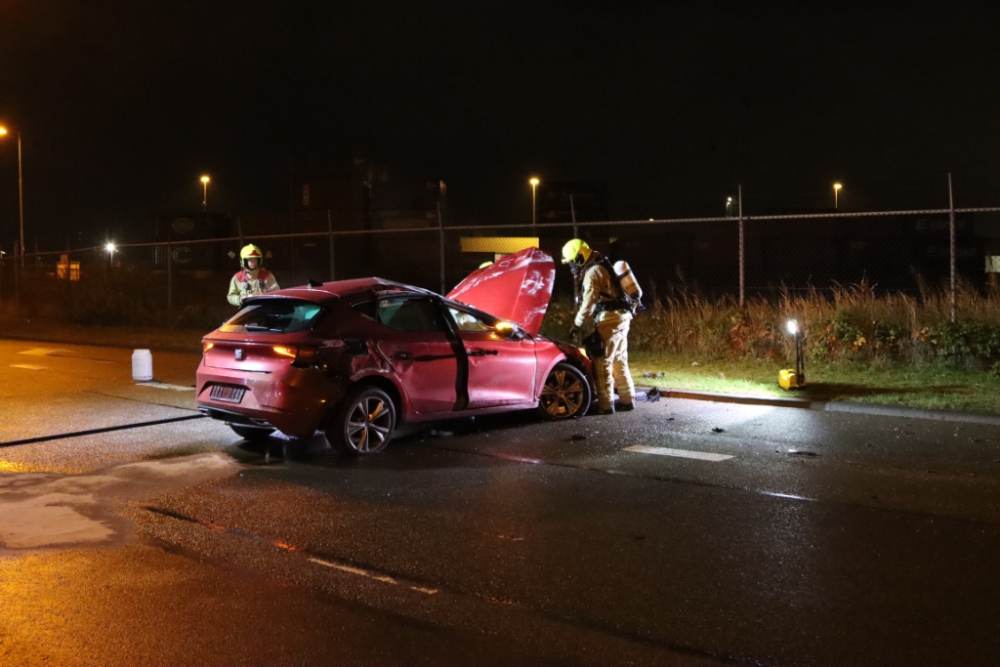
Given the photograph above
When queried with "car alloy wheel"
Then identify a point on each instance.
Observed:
(566, 393)
(365, 421)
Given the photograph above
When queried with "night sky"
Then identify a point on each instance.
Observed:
(124, 103)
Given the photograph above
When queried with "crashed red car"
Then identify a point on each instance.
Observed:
(355, 358)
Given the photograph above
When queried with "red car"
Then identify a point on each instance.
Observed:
(354, 358)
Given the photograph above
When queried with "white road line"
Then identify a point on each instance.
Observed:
(30, 367)
(43, 351)
(370, 575)
(163, 385)
(682, 453)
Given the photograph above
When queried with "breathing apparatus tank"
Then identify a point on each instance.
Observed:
(628, 281)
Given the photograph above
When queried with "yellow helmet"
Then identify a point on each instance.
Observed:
(576, 251)
(250, 251)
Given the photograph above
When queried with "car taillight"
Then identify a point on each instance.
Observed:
(205, 347)
(299, 354)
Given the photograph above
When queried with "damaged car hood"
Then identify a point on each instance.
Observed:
(516, 287)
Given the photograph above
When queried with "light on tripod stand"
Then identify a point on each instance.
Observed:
(794, 378)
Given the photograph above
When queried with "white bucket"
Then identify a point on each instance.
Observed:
(142, 366)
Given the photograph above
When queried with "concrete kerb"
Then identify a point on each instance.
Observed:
(828, 406)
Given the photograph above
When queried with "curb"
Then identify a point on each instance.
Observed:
(830, 406)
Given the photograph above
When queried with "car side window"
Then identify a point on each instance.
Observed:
(410, 315)
(466, 321)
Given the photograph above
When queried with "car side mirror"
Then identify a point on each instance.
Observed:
(507, 330)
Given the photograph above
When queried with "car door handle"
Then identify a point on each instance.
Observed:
(399, 355)
(480, 352)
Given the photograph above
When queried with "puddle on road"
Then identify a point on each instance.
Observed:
(44, 510)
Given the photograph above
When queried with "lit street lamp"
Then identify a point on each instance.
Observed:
(204, 199)
(20, 186)
(534, 186)
(836, 196)
(110, 247)
(729, 207)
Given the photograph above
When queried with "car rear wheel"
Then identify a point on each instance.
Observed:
(566, 393)
(252, 433)
(364, 422)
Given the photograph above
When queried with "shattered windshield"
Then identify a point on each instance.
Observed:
(274, 316)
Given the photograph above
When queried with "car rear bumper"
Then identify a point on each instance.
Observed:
(292, 400)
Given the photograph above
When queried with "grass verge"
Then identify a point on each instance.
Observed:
(925, 387)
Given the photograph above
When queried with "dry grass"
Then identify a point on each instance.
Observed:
(846, 323)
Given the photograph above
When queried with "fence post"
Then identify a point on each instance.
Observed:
(742, 252)
(17, 275)
(441, 244)
(951, 207)
(329, 228)
(170, 280)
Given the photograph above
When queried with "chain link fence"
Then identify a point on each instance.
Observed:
(181, 280)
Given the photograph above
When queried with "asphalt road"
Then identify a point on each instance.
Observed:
(685, 532)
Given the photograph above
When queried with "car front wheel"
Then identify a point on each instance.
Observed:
(364, 422)
(566, 393)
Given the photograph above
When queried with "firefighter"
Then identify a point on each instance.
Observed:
(252, 279)
(604, 301)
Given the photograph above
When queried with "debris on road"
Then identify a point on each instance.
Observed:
(577, 436)
(718, 430)
(653, 395)
(801, 452)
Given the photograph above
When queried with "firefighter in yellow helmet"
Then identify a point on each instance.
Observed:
(602, 300)
(252, 278)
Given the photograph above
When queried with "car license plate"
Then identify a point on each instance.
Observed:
(227, 393)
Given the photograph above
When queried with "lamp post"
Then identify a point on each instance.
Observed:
(534, 186)
(836, 196)
(20, 186)
(204, 186)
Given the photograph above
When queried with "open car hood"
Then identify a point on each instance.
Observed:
(516, 287)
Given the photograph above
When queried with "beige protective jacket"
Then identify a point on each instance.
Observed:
(250, 283)
(597, 287)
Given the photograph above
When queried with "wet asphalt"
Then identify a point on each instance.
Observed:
(826, 538)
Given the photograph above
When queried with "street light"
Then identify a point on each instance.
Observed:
(110, 247)
(20, 186)
(729, 207)
(534, 186)
(204, 185)
(836, 196)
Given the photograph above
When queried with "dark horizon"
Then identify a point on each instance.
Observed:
(124, 105)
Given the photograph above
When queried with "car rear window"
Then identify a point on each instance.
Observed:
(274, 316)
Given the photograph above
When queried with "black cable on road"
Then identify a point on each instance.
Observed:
(95, 431)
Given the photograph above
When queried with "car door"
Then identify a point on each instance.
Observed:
(421, 351)
(501, 360)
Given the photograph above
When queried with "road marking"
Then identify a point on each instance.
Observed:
(163, 385)
(43, 352)
(371, 575)
(682, 453)
(29, 367)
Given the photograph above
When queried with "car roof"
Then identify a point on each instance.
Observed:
(344, 289)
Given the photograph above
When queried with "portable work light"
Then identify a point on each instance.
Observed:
(794, 378)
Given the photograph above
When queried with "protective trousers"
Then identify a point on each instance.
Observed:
(612, 371)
